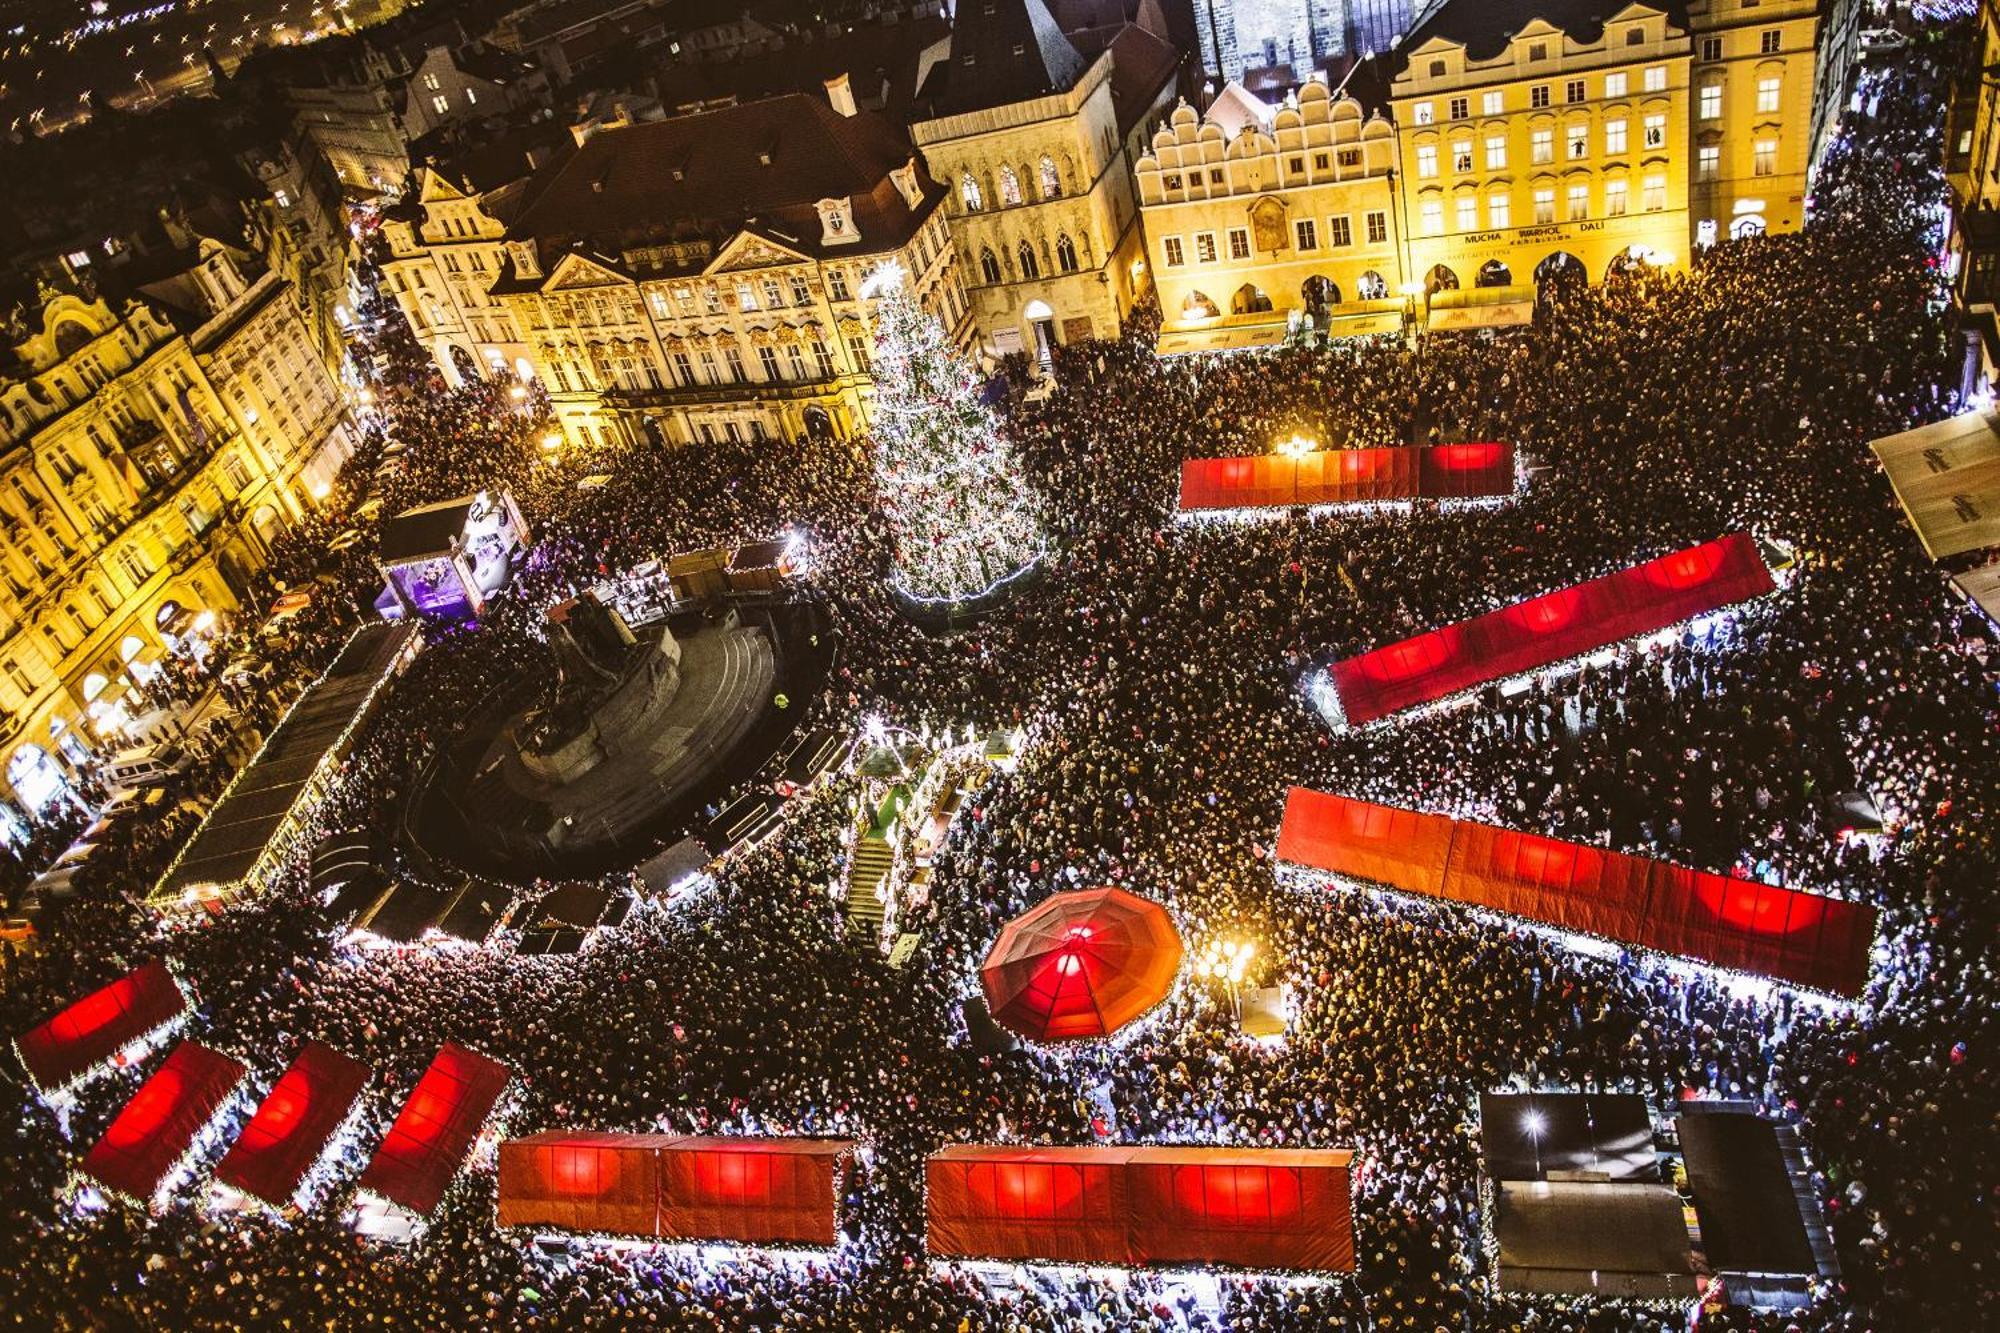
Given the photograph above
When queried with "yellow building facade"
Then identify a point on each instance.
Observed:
(1528, 152)
(1276, 229)
(1752, 105)
(444, 249)
(144, 470)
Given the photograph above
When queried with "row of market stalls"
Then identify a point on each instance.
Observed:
(1587, 1194)
(1308, 476)
(183, 1111)
(1787, 935)
(1544, 631)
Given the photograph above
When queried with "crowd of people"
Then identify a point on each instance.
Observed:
(1158, 675)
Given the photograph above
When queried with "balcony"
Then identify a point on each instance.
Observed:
(749, 391)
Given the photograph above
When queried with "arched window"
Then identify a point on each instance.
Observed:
(1010, 186)
(1373, 286)
(1029, 267)
(1249, 300)
(1065, 252)
(989, 267)
(1051, 178)
(1198, 306)
(968, 190)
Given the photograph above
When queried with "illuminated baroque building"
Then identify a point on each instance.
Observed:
(1525, 137)
(1258, 223)
(699, 278)
(151, 448)
(1034, 143)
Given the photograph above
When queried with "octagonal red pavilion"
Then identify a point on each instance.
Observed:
(1081, 964)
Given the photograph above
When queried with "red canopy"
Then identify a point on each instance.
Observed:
(157, 1127)
(1254, 1208)
(1081, 964)
(435, 1129)
(1787, 934)
(677, 1187)
(95, 1028)
(1348, 476)
(583, 1181)
(293, 1124)
(1551, 628)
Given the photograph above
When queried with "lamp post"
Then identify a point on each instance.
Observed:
(1226, 961)
(1534, 1122)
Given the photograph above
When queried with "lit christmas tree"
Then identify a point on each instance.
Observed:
(958, 507)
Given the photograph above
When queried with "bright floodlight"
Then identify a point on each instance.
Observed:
(883, 278)
(1534, 1122)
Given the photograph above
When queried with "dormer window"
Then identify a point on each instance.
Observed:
(836, 221)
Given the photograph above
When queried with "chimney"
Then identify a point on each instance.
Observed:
(840, 92)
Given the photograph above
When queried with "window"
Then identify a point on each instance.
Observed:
(1764, 160)
(1437, 69)
(1711, 48)
(1655, 197)
(857, 351)
(1461, 156)
(1538, 51)
(823, 359)
(1348, 157)
(1378, 228)
(1174, 255)
(1051, 178)
(1321, 161)
(767, 360)
(1307, 234)
(1496, 152)
(1769, 89)
(1499, 211)
(1468, 212)
(1573, 91)
(1635, 37)
(1656, 130)
(684, 370)
(989, 267)
(283, 198)
(1460, 108)
(1239, 242)
(1295, 165)
(1656, 79)
(1578, 142)
(1492, 103)
(1538, 96)
(746, 296)
(1545, 206)
(1204, 247)
(1010, 186)
(1066, 252)
(1614, 137)
(1704, 232)
(1614, 198)
(795, 360)
(1431, 217)
(1339, 233)
(657, 301)
(471, 97)
(1614, 85)
(431, 82)
(1709, 102)
(1576, 204)
(1423, 113)
(1031, 267)
(801, 293)
(440, 105)
(1772, 42)
(836, 284)
(734, 357)
(1542, 147)
(1708, 162)
(774, 295)
(1173, 181)
(1427, 161)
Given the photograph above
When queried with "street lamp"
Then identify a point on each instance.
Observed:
(1226, 961)
(1534, 1122)
(1297, 447)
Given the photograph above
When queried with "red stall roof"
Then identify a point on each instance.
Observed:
(1348, 476)
(1790, 935)
(95, 1028)
(293, 1124)
(754, 1190)
(435, 1129)
(583, 1181)
(1551, 628)
(1250, 1208)
(158, 1126)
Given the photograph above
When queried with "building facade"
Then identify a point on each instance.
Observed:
(138, 502)
(1527, 152)
(701, 278)
(1286, 227)
(1028, 138)
(1753, 104)
(1972, 166)
(445, 248)
(450, 85)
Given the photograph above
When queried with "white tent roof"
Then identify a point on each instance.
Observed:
(1982, 585)
(1947, 477)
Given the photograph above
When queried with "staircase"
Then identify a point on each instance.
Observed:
(866, 870)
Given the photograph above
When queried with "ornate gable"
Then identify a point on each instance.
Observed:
(574, 272)
(747, 250)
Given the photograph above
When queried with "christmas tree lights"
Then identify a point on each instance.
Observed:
(959, 510)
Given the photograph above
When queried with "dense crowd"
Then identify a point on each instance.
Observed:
(1157, 673)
